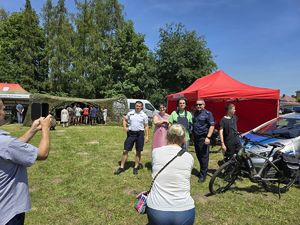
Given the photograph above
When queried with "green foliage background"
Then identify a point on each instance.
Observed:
(96, 53)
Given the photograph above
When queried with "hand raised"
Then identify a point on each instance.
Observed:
(46, 122)
(36, 125)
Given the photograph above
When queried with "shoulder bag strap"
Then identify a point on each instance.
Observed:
(180, 153)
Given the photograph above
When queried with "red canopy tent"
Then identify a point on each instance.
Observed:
(254, 105)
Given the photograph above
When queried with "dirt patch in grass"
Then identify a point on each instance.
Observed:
(82, 153)
(33, 189)
(57, 181)
(93, 142)
(200, 198)
(131, 192)
(104, 211)
(66, 200)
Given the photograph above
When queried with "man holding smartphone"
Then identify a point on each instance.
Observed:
(15, 156)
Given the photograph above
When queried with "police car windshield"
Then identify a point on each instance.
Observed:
(282, 128)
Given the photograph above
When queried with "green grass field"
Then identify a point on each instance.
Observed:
(76, 185)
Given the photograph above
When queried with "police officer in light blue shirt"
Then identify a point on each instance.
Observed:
(15, 156)
(203, 128)
(137, 129)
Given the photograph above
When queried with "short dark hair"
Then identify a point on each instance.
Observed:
(180, 99)
(139, 102)
(162, 104)
(229, 107)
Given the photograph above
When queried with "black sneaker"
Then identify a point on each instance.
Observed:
(118, 171)
(202, 179)
(135, 171)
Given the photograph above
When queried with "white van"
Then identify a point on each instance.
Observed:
(148, 107)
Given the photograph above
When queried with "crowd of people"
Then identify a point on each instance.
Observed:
(170, 201)
(87, 115)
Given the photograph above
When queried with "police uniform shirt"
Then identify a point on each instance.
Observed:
(137, 120)
(202, 120)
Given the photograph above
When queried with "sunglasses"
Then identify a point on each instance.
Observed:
(199, 104)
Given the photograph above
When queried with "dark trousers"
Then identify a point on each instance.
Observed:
(232, 148)
(202, 152)
(17, 220)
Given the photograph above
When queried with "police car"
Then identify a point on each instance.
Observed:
(284, 129)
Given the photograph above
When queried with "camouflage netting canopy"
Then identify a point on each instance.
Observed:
(116, 106)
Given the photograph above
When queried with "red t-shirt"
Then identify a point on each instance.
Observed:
(86, 111)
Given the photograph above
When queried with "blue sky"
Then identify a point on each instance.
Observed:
(254, 41)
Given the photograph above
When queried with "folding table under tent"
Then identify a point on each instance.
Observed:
(254, 105)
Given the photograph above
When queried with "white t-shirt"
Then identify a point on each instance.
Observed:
(136, 121)
(171, 189)
(64, 116)
(78, 111)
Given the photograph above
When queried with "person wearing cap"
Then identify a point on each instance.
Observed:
(15, 156)
(203, 128)
(137, 133)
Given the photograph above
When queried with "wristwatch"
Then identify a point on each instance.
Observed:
(208, 137)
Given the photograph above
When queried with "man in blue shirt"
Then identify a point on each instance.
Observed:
(93, 115)
(15, 156)
(203, 128)
(20, 110)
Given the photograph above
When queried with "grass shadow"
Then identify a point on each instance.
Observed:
(128, 164)
(249, 189)
(253, 189)
(148, 165)
(210, 172)
(209, 194)
(195, 172)
(215, 150)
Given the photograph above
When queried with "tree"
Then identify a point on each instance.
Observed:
(182, 57)
(60, 42)
(47, 14)
(97, 53)
(129, 64)
(108, 19)
(3, 14)
(83, 49)
(22, 49)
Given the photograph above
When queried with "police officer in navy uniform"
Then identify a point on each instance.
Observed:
(203, 128)
(137, 133)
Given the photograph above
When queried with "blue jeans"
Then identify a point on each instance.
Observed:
(157, 217)
(20, 117)
(186, 145)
